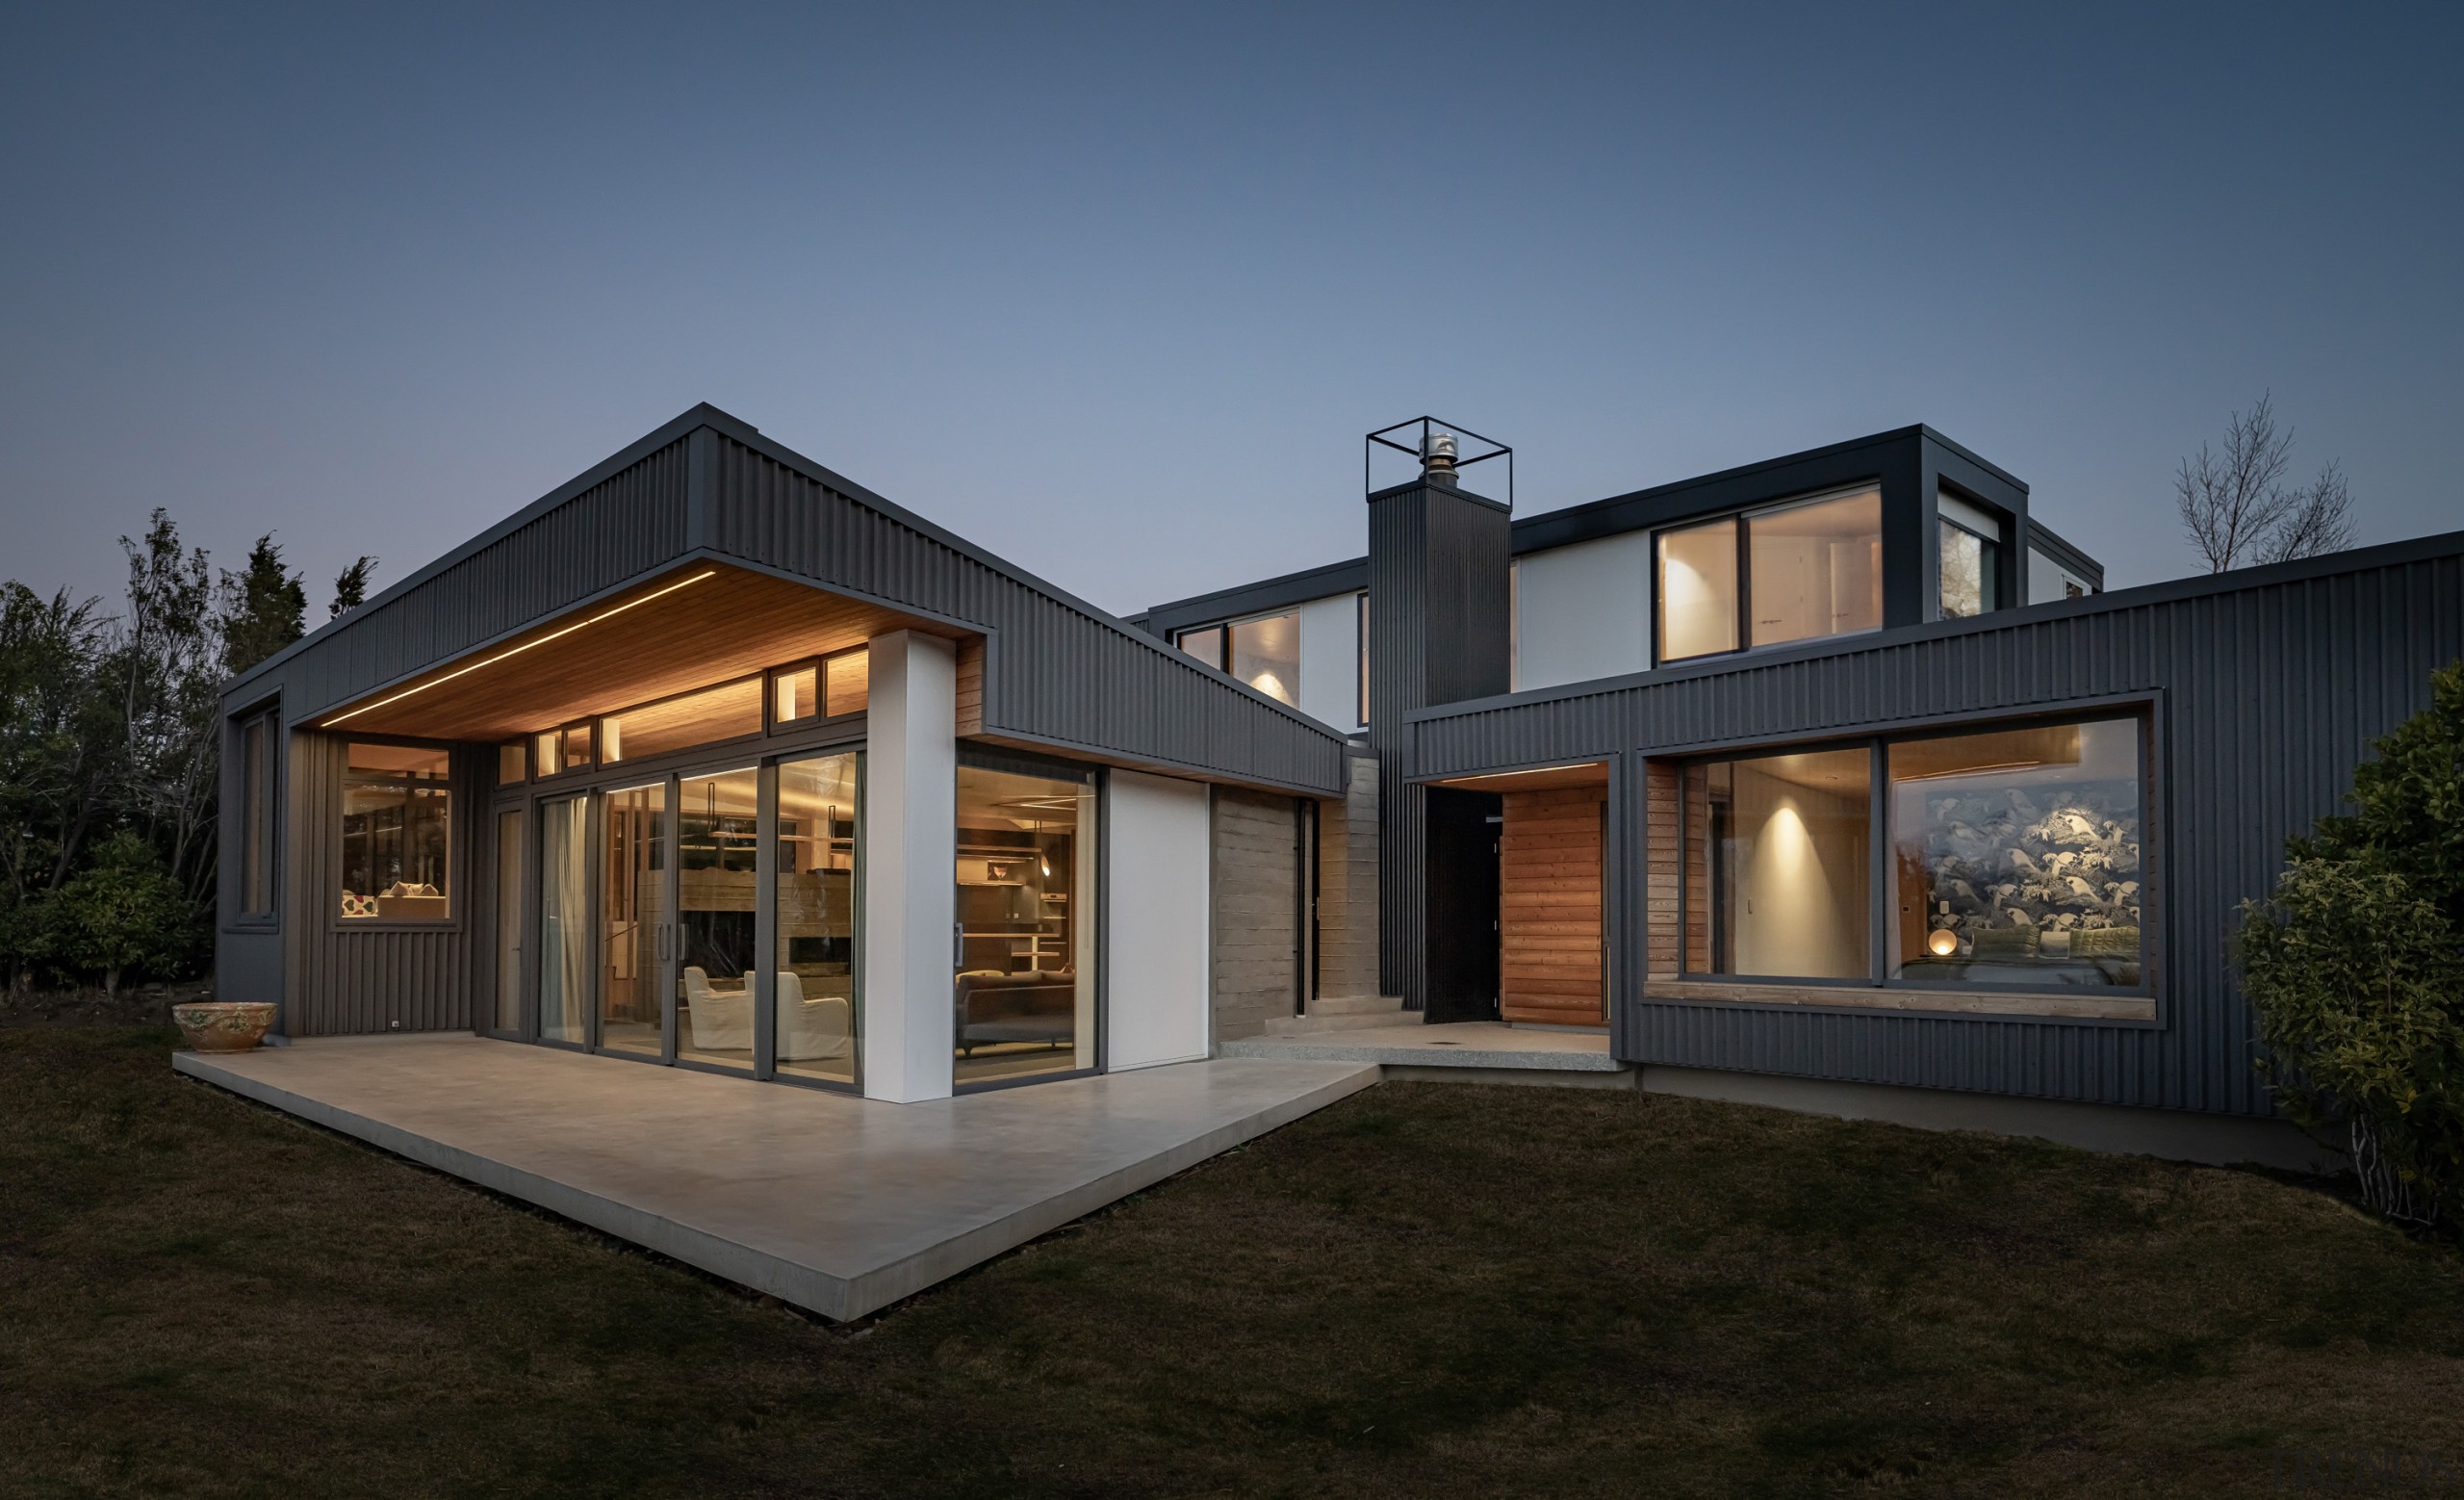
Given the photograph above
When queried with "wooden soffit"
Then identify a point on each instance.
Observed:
(1547, 778)
(697, 624)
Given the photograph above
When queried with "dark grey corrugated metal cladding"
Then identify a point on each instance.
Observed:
(706, 485)
(2268, 687)
(1055, 671)
(1440, 628)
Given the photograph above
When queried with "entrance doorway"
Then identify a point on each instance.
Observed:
(1462, 903)
(1542, 870)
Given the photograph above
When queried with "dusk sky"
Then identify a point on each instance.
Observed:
(1114, 292)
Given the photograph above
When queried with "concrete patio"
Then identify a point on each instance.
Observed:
(837, 1204)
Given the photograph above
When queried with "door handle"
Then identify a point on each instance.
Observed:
(958, 947)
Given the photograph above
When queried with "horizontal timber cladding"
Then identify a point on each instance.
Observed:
(1054, 671)
(1550, 892)
(345, 981)
(2265, 687)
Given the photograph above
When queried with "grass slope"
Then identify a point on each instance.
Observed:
(1425, 1290)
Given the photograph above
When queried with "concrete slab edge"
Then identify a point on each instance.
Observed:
(902, 1279)
(1433, 1058)
(815, 1290)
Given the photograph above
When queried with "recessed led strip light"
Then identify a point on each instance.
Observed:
(604, 615)
(1537, 771)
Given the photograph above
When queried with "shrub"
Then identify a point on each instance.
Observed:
(2356, 968)
(123, 912)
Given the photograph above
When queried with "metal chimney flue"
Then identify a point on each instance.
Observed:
(1437, 456)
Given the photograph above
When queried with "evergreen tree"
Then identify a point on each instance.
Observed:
(350, 587)
(264, 608)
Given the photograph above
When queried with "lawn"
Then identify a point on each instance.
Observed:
(1426, 1290)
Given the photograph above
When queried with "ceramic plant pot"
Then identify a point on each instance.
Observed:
(225, 1026)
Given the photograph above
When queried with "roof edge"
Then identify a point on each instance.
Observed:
(2419, 548)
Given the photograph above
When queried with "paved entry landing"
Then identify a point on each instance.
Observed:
(837, 1204)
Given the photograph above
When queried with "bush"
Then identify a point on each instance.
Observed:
(123, 912)
(2356, 969)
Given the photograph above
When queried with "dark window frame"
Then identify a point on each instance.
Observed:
(2143, 713)
(260, 817)
(598, 759)
(1988, 569)
(820, 667)
(1742, 517)
(457, 847)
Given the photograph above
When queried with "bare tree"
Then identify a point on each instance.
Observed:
(2319, 520)
(2236, 509)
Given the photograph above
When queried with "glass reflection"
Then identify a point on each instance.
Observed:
(1026, 881)
(2018, 856)
(717, 816)
(633, 921)
(818, 866)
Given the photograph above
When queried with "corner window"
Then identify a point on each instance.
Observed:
(1795, 571)
(398, 817)
(2002, 868)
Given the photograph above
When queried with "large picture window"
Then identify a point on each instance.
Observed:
(2007, 859)
(1787, 839)
(397, 819)
(1793, 572)
(2016, 856)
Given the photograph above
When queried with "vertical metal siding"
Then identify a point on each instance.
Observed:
(1052, 670)
(2269, 694)
(345, 981)
(619, 528)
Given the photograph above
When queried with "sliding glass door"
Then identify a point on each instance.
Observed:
(817, 862)
(634, 928)
(717, 842)
(658, 906)
(564, 917)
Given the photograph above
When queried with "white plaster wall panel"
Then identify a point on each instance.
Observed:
(1155, 929)
(2048, 580)
(1330, 660)
(910, 826)
(1584, 611)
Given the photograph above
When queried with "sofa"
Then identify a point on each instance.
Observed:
(1036, 1006)
(721, 1020)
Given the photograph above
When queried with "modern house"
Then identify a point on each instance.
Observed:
(1836, 780)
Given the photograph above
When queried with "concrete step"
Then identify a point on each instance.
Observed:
(1356, 1006)
(1313, 1024)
